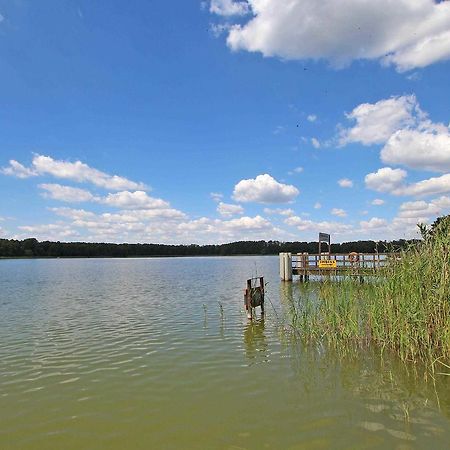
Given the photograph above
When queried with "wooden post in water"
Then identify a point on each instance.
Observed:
(254, 296)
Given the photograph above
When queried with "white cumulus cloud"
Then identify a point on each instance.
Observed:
(229, 7)
(393, 181)
(373, 223)
(404, 33)
(75, 171)
(66, 193)
(282, 212)
(376, 122)
(418, 209)
(410, 139)
(264, 189)
(229, 210)
(431, 186)
(324, 226)
(427, 149)
(134, 200)
(82, 173)
(385, 179)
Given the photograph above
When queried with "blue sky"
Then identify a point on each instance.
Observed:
(213, 121)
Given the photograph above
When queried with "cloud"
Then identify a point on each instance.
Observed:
(312, 118)
(51, 231)
(279, 129)
(345, 183)
(385, 179)
(229, 8)
(373, 223)
(15, 169)
(217, 29)
(422, 211)
(427, 149)
(216, 196)
(282, 212)
(125, 217)
(74, 214)
(376, 122)
(404, 33)
(410, 138)
(229, 210)
(315, 142)
(74, 171)
(442, 202)
(216, 230)
(324, 226)
(81, 173)
(418, 209)
(66, 193)
(264, 189)
(169, 226)
(338, 212)
(134, 200)
(248, 223)
(393, 181)
(296, 170)
(415, 76)
(431, 186)
(317, 205)
(430, 49)
(377, 202)
(122, 200)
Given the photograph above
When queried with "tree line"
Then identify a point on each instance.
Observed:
(32, 248)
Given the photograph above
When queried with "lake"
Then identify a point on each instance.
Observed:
(158, 354)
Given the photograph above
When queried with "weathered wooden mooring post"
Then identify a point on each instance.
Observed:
(254, 296)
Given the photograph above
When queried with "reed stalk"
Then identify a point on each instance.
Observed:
(405, 307)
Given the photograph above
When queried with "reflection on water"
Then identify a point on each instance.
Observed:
(159, 354)
(256, 346)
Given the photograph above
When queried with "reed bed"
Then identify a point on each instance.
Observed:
(405, 307)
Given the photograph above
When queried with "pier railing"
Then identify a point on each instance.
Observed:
(306, 264)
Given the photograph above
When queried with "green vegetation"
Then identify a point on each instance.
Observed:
(29, 248)
(406, 308)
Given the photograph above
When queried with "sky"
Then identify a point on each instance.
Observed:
(214, 121)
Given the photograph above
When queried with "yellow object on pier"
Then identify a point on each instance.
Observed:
(327, 264)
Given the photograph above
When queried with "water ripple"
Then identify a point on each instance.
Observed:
(140, 354)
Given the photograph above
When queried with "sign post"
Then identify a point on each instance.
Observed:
(324, 237)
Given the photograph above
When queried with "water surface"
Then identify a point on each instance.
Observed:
(158, 354)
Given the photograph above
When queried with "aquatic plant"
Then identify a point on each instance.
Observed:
(405, 307)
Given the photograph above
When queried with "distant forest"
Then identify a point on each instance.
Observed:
(32, 248)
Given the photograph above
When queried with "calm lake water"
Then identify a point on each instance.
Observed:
(158, 354)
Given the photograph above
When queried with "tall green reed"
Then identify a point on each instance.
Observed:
(405, 307)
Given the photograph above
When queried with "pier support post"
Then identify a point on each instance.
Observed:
(282, 266)
(286, 266)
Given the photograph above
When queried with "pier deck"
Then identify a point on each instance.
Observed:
(355, 264)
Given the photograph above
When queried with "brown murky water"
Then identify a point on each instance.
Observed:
(158, 354)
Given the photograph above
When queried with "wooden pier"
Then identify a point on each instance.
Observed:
(322, 265)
